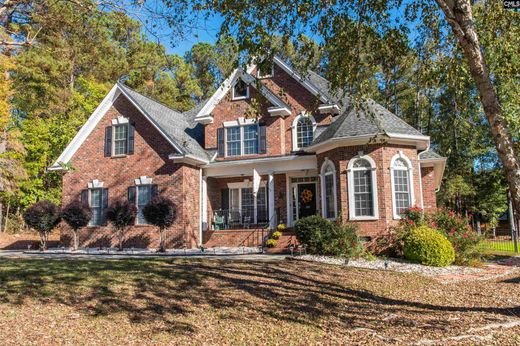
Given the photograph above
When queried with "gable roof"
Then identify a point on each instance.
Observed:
(373, 120)
(204, 116)
(180, 130)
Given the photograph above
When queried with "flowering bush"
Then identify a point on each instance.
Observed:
(276, 235)
(459, 233)
(271, 242)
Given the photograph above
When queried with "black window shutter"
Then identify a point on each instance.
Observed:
(154, 190)
(262, 148)
(108, 141)
(220, 141)
(104, 200)
(131, 194)
(131, 138)
(225, 199)
(84, 198)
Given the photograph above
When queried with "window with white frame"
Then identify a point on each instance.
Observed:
(233, 141)
(242, 204)
(328, 187)
(362, 188)
(97, 206)
(402, 185)
(121, 139)
(144, 195)
(240, 90)
(242, 140)
(303, 131)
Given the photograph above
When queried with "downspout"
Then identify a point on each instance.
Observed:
(420, 174)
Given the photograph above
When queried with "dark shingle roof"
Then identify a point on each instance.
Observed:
(372, 119)
(180, 128)
(429, 155)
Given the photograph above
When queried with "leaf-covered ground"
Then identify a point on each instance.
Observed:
(207, 301)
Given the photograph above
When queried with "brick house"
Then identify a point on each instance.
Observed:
(263, 149)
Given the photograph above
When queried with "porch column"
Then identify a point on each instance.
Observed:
(204, 205)
(270, 188)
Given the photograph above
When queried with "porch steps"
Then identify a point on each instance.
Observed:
(287, 238)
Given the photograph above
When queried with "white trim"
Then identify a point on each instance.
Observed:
(240, 122)
(329, 108)
(203, 202)
(260, 76)
(279, 111)
(419, 172)
(86, 129)
(237, 98)
(283, 164)
(294, 129)
(350, 188)
(143, 180)
(244, 184)
(95, 184)
(271, 203)
(420, 143)
(439, 165)
(204, 116)
(190, 159)
(120, 120)
(400, 155)
(325, 164)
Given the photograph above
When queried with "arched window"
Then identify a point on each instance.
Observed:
(303, 131)
(402, 184)
(362, 187)
(328, 190)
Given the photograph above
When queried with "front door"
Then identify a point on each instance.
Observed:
(306, 200)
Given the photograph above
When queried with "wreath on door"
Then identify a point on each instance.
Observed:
(306, 196)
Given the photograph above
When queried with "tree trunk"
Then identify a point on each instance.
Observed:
(460, 17)
(75, 233)
(162, 240)
(7, 215)
(43, 240)
(1, 216)
(120, 238)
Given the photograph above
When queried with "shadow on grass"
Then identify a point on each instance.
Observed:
(149, 290)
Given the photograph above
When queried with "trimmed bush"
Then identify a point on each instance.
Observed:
(429, 247)
(271, 242)
(161, 212)
(276, 235)
(77, 216)
(43, 217)
(324, 237)
(121, 215)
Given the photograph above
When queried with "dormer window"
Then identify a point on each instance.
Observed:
(303, 129)
(265, 71)
(240, 90)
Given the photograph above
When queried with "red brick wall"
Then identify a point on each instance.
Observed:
(428, 186)
(279, 131)
(382, 155)
(177, 181)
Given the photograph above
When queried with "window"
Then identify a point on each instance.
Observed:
(242, 140)
(250, 139)
(242, 205)
(328, 188)
(362, 188)
(144, 195)
(120, 140)
(233, 141)
(240, 90)
(402, 185)
(97, 202)
(303, 131)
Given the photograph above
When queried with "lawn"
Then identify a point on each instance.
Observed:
(207, 301)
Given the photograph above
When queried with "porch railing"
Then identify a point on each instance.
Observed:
(239, 218)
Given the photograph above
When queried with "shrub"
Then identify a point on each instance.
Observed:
(121, 214)
(276, 235)
(465, 241)
(160, 212)
(77, 216)
(428, 246)
(323, 237)
(43, 217)
(281, 227)
(271, 242)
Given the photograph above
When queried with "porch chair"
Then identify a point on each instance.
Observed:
(234, 218)
(218, 221)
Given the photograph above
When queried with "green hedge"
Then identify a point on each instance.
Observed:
(324, 237)
(429, 247)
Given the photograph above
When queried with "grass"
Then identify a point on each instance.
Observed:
(207, 301)
(499, 245)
